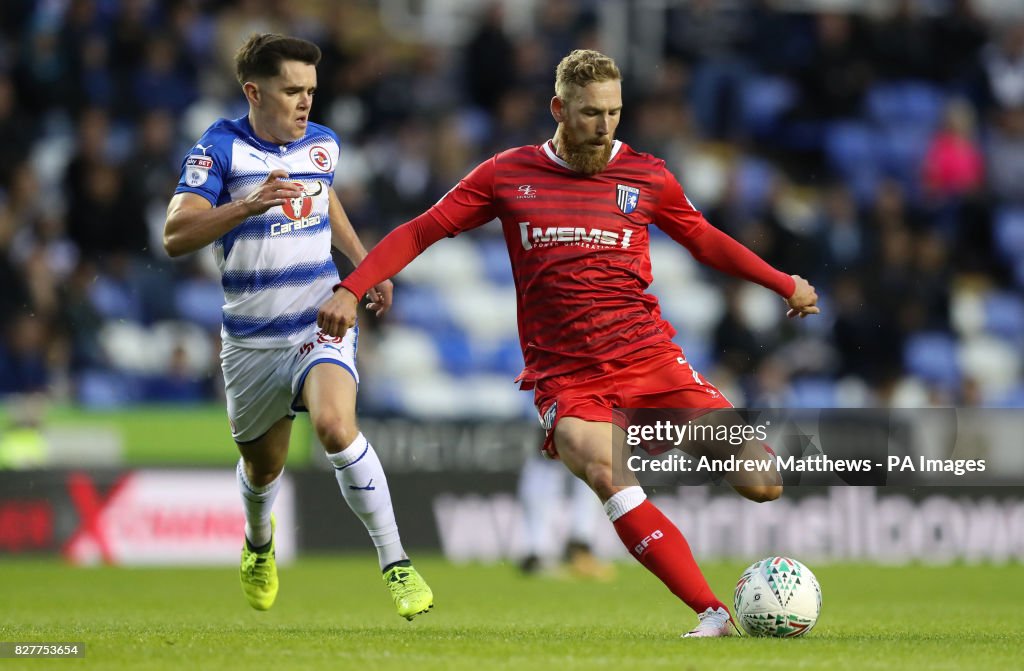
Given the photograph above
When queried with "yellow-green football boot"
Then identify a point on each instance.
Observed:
(258, 573)
(409, 590)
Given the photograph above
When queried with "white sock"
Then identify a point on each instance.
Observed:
(624, 501)
(365, 488)
(258, 503)
(540, 484)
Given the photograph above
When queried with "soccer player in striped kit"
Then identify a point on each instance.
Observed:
(575, 212)
(259, 188)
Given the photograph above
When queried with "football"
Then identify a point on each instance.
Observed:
(777, 596)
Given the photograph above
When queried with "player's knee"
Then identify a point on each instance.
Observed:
(334, 432)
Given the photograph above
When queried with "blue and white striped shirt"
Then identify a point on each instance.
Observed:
(276, 267)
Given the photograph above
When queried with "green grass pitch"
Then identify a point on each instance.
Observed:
(334, 613)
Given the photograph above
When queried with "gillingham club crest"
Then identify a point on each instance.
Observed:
(627, 197)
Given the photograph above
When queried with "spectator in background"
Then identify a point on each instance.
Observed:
(161, 81)
(962, 33)
(710, 36)
(901, 44)
(954, 166)
(839, 71)
(1002, 63)
(1006, 155)
(23, 366)
(489, 61)
(17, 130)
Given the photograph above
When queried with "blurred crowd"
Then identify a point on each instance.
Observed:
(880, 155)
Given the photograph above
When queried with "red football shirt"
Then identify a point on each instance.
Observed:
(579, 247)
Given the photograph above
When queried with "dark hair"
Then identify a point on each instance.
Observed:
(262, 55)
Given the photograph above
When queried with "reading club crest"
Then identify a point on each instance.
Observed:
(627, 197)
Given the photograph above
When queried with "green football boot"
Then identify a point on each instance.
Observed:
(409, 590)
(258, 573)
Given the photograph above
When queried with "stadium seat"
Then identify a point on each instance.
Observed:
(754, 181)
(421, 306)
(456, 349)
(851, 148)
(402, 353)
(905, 104)
(199, 301)
(696, 305)
(1004, 315)
(481, 309)
(764, 100)
(494, 257)
(670, 262)
(1009, 233)
(106, 389)
(933, 357)
(902, 151)
(456, 262)
(812, 392)
(994, 362)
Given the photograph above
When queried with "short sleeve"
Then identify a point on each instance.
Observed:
(203, 170)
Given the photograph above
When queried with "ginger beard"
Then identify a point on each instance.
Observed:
(587, 157)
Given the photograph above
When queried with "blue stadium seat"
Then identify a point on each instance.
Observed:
(812, 392)
(763, 101)
(199, 301)
(458, 352)
(1010, 398)
(421, 305)
(932, 356)
(1009, 232)
(1004, 315)
(902, 151)
(754, 179)
(106, 389)
(905, 104)
(503, 357)
(851, 148)
(494, 255)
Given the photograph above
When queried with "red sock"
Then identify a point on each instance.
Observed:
(659, 545)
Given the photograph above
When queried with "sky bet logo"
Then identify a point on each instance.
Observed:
(642, 545)
(535, 236)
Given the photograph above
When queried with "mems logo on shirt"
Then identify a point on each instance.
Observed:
(535, 236)
(299, 210)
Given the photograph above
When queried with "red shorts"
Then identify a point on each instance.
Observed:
(652, 377)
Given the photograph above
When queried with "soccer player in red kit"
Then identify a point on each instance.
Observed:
(575, 212)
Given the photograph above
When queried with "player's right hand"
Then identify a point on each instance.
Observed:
(274, 190)
(338, 314)
(804, 300)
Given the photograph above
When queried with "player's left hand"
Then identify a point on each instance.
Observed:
(804, 300)
(380, 297)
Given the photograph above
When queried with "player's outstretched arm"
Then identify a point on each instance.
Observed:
(192, 222)
(344, 238)
(391, 254)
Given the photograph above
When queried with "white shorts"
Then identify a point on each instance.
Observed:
(264, 385)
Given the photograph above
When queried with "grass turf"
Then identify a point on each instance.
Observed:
(335, 613)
